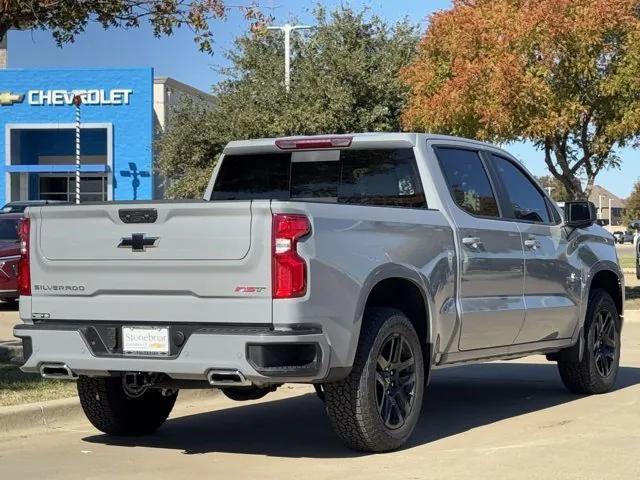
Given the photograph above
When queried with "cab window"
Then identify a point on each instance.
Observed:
(525, 199)
(468, 181)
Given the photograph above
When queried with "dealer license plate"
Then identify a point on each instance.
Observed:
(145, 340)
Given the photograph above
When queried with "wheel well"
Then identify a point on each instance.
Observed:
(405, 296)
(609, 282)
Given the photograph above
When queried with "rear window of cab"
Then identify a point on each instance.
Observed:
(359, 177)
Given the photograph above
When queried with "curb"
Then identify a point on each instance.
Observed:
(56, 413)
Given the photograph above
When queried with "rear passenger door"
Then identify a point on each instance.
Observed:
(491, 278)
(552, 285)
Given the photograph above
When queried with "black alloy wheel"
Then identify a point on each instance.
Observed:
(395, 381)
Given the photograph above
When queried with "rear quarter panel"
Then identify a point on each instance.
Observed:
(351, 249)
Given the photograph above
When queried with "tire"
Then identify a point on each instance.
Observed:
(365, 409)
(596, 372)
(112, 411)
(319, 388)
(244, 394)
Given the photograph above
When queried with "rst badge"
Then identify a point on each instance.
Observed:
(248, 289)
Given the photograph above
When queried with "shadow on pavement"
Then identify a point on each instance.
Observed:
(457, 400)
(632, 293)
(8, 306)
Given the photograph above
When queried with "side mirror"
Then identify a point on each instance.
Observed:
(579, 214)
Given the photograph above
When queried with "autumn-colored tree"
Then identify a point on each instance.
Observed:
(560, 73)
(68, 18)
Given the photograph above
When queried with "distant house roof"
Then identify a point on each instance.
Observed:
(598, 192)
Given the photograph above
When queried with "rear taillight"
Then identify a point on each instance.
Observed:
(313, 143)
(289, 271)
(24, 268)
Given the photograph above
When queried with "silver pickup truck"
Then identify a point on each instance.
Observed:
(356, 263)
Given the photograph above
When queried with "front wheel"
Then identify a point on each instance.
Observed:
(114, 411)
(376, 408)
(597, 371)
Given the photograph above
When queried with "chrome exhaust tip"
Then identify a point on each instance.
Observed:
(57, 371)
(227, 378)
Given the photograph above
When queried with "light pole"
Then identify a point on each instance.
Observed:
(287, 29)
(549, 190)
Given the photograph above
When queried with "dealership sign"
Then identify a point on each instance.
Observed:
(116, 96)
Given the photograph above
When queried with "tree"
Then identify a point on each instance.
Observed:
(560, 73)
(345, 78)
(558, 192)
(632, 211)
(68, 18)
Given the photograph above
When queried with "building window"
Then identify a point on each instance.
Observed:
(93, 188)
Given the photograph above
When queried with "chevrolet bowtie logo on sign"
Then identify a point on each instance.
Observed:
(8, 98)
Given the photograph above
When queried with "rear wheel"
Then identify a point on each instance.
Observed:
(116, 411)
(597, 371)
(376, 408)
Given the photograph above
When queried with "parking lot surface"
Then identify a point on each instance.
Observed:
(498, 420)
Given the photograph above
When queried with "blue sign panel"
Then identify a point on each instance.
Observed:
(37, 136)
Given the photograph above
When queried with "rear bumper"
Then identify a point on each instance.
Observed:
(263, 355)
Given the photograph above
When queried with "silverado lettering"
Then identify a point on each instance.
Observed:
(59, 288)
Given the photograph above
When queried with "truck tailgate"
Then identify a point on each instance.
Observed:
(196, 262)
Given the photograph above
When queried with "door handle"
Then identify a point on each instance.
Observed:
(473, 243)
(532, 244)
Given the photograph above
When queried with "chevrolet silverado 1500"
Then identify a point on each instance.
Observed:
(357, 263)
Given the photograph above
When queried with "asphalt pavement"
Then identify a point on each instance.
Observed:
(502, 420)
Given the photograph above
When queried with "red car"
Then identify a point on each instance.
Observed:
(9, 255)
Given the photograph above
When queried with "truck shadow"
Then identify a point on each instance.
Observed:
(458, 399)
(8, 306)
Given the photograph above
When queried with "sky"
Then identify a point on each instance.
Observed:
(178, 57)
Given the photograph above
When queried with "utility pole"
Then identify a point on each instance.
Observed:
(600, 207)
(610, 213)
(287, 29)
(77, 101)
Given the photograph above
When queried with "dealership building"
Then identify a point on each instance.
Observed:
(122, 111)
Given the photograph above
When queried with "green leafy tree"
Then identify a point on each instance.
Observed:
(67, 18)
(562, 74)
(558, 192)
(345, 78)
(632, 211)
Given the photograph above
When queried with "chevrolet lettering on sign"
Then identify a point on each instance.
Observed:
(116, 96)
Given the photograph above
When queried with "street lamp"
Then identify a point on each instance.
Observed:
(287, 29)
(549, 190)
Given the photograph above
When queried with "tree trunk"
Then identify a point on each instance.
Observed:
(561, 170)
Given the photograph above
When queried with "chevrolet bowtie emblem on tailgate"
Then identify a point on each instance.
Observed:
(137, 242)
